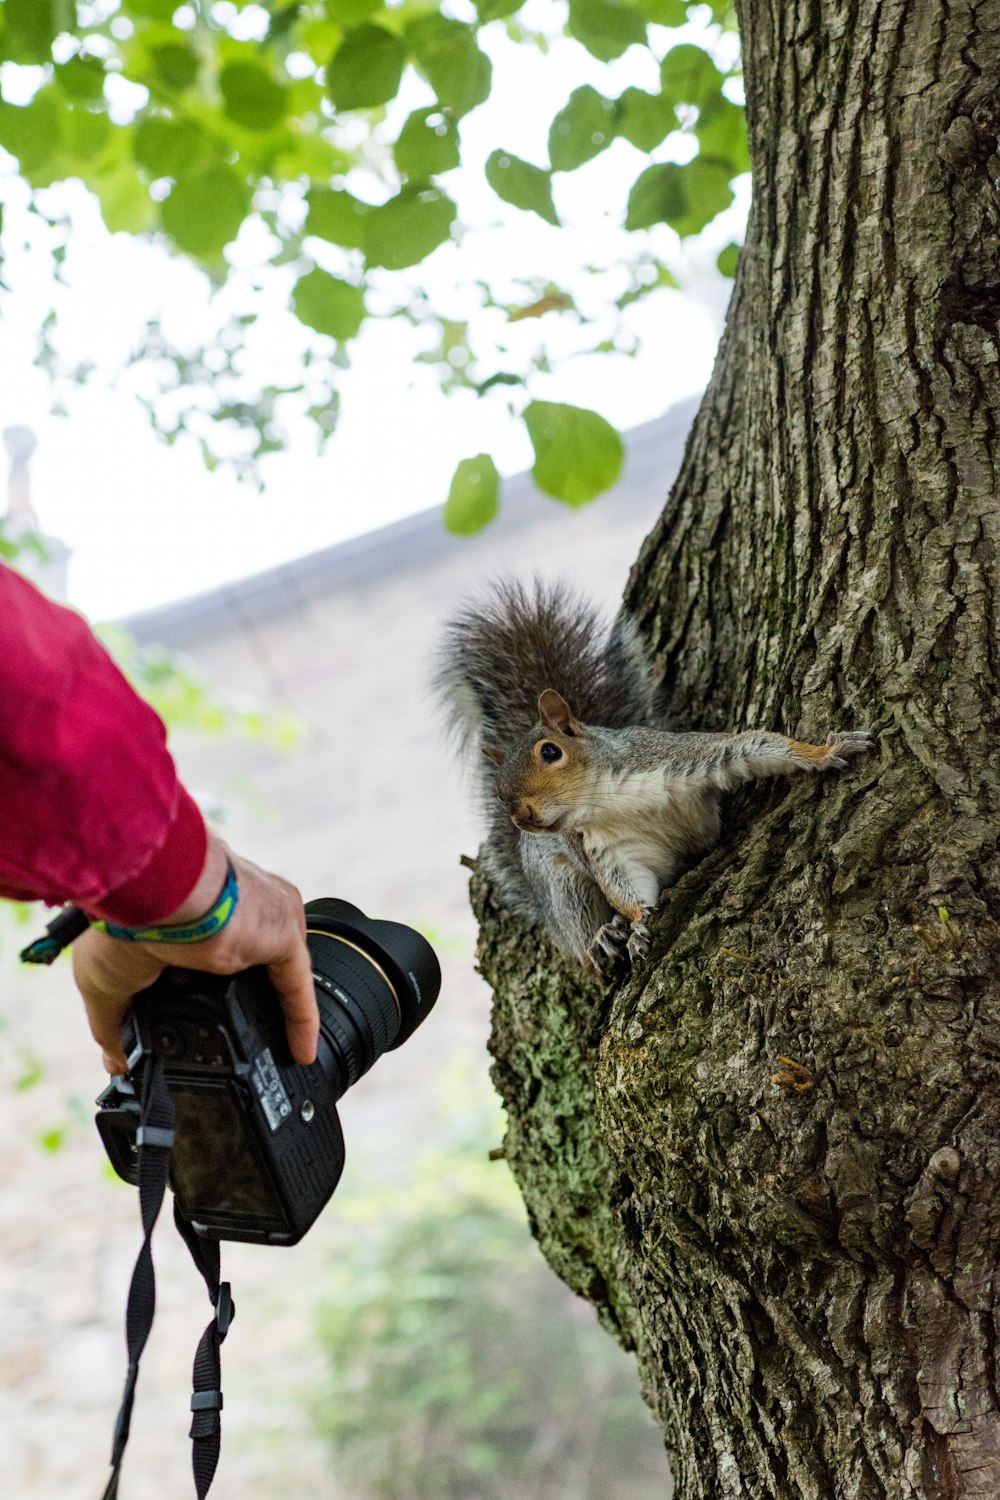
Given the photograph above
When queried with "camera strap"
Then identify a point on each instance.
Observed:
(155, 1138)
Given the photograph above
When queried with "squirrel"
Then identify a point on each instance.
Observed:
(594, 811)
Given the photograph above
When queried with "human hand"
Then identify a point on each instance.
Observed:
(268, 927)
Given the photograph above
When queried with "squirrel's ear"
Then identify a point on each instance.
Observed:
(555, 713)
(494, 755)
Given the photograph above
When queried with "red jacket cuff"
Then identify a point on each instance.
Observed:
(169, 877)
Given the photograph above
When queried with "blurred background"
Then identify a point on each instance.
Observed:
(257, 495)
(415, 1345)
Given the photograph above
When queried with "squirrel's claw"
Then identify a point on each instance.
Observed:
(607, 946)
(620, 939)
(851, 741)
(639, 942)
(640, 939)
(843, 743)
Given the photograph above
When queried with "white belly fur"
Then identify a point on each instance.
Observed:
(650, 826)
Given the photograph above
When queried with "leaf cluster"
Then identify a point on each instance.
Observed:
(187, 121)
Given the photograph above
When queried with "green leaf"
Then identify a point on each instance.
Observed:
(707, 185)
(30, 131)
(689, 76)
(644, 119)
(662, 12)
(685, 197)
(657, 197)
(366, 68)
(252, 97)
(427, 144)
(520, 183)
(577, 453)
(721, 129)
(204, 212)
(152, 10)
(449, 57)
(83, 133)
(728, 259)
(585, 127)
(474, 497)
(168, 148)
(126, 206)
(81, 78)
(175, 64)
(606, 28)
(329, 305)
(407, 228)
(33, 1070)
(351, 12)
(336, 216)
(29, 27)
(495, 10)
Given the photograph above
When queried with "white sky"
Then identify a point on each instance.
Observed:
(148, 523)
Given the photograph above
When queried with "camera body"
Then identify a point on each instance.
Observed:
(258, 1146)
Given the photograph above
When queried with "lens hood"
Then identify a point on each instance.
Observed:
(408, 960)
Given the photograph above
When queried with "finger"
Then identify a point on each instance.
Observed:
(106, 1020)
(107, 975)
(292, 978)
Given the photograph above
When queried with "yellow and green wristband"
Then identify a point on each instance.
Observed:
(183, 932)
(72, 921)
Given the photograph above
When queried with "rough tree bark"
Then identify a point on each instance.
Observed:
(771, 1159)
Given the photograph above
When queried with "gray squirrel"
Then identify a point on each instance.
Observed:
(593, 811)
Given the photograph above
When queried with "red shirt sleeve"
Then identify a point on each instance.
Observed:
(91, 809)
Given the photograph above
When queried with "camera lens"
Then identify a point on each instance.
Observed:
(375, 982)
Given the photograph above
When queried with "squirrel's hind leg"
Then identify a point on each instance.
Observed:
(576, 912)
(633, 890)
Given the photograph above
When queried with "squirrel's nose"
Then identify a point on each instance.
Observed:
(527, 812)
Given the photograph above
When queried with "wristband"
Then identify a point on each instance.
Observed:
(198, 931)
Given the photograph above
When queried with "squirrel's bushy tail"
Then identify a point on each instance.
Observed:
(505, 648)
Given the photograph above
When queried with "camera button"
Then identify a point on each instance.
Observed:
(170, 1042)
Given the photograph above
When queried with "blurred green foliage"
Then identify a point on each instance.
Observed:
(187, 120)
(19, 543)
(460, 1366)
(186, 698)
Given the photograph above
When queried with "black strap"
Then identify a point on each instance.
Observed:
(60, 932)
(206, 1402)
(157, 1116)
(155, 1137)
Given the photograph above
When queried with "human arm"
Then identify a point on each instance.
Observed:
(267, 927)
(92, 811)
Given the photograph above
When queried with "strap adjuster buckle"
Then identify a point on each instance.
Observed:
(206, 1401)
(225, 1311)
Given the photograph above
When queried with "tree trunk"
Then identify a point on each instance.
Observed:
(771, 1159)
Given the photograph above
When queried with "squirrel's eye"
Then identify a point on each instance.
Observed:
(549, 753)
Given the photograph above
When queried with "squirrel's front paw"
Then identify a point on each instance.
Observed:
(640, 938)
(607, 946)
(843, 743)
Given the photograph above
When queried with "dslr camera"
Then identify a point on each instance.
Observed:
(258, 1147)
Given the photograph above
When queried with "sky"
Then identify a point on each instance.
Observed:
(148, 523)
